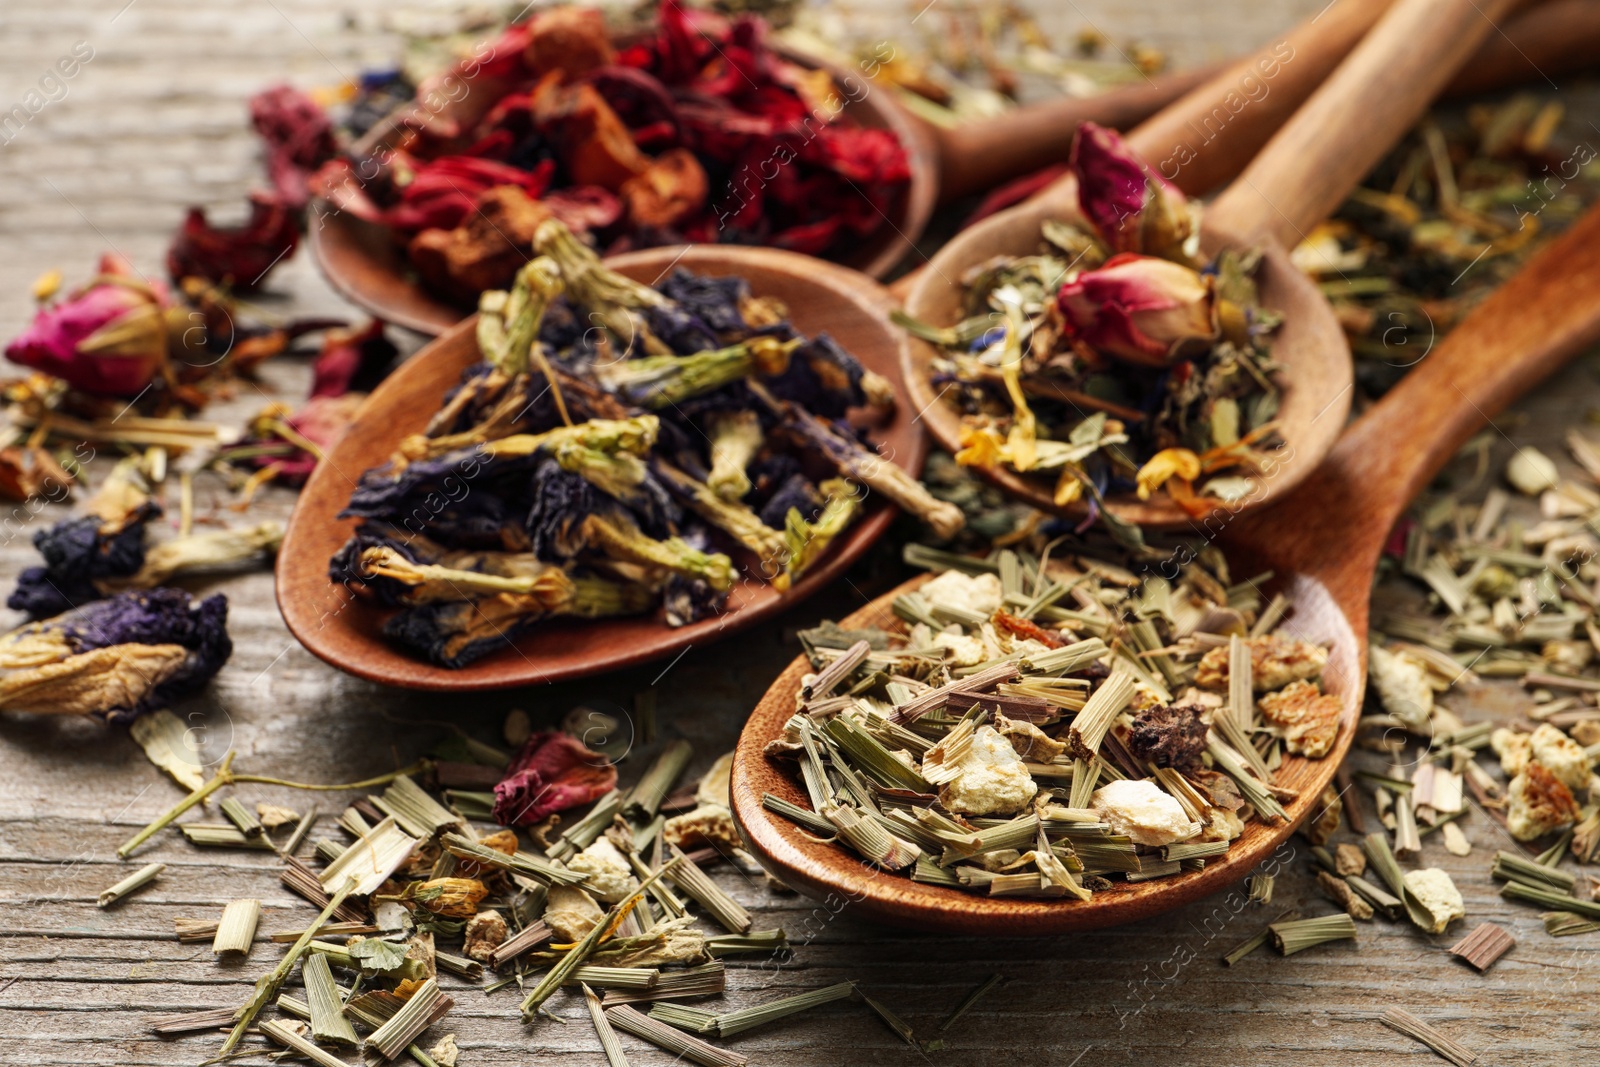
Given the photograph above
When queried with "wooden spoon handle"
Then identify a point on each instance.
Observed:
(1357, 115)
(1214, 131)
(1527, 328)
(980, 154)
(1554, 38)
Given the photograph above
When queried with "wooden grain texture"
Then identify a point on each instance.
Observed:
(160, 123)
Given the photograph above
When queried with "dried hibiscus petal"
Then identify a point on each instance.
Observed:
(553, 772)
(571, 40)
(298, 137)
(667, 191)
(592, 140)
(239, 257)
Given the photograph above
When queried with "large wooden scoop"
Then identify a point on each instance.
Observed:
(1323, 151)
(1323, 540)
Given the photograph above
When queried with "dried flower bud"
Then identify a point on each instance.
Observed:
(1139, 308)
(108, 339)
(1131, 208)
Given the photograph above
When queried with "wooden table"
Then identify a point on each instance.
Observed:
(155, 122)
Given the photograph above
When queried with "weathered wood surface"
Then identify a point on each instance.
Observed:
(154, 122)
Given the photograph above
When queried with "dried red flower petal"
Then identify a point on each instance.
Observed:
(239, 257)
(352, 360)
(591, 139)
(553, 772)
(298, 138)
(444, 192)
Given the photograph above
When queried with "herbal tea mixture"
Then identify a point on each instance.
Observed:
(1042, 725)
(615, 436)
(609, 906)
(698, 132)
(1114, 359)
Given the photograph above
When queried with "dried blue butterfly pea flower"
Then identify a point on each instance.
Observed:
(77, 553)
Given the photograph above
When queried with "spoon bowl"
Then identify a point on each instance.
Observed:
(1323, 539)
(1305, 170)
(346, 631)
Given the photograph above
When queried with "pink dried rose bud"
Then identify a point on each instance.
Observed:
(553, 772)
(1139, 308)
(1131, 207)
(108, 338)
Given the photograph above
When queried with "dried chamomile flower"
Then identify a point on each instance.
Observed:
(1540, 804)
(1438, 894)
(1275, 662)
(1308, 718)
(1144, 812)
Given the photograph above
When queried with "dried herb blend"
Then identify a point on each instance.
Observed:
(1115, 359)
(615, 453)
(699, 132)
(1041, 728)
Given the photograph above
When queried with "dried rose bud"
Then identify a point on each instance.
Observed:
(108, 339)
(1139, 308)
(1131, 208)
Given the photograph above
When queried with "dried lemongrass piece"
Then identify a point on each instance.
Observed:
(635, 978)
(1484, 946)
(1254, 789)
(701, 981)
(1241, 684)
(407, 1024)
(195, 929)
(291, 1040)
(690, 1020)
(1089, 728)
(755, 942)
(192, 1021)
(1510, 867)
(1406, 840)
(418, 814)
(339, 929)
(1551, 899)
(675, 1041)
(737, 1022)
(970, 1001)
(135, 881)
(890, 1019)
(373, 859)
(688, 877)
(1300, 934)
(615, 1057)
(1260, 885)
(868, 837)
(242, 817)
(1249, 945)
(1565, 924)
(813, 822)
(222, 835)
(328, 1021)
(581, 834)
(1403, 1022)
(301, 829)
(644, 800)
(236, 931)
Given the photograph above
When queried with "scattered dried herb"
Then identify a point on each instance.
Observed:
(1114, 361)
(1486, 944)
(1402, 1021)
(981, 756)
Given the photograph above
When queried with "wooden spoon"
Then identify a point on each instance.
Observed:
(367, 265)
(1307, 168)
(347, 632)
(1323, 540)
